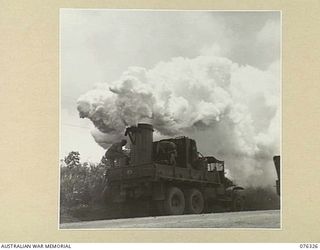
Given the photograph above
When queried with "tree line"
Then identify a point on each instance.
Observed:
(81, 184)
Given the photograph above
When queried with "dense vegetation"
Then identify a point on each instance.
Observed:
(81, 186)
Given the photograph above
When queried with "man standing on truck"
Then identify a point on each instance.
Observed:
(168, 150)
(115, 152)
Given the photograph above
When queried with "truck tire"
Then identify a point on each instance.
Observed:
(194, 201)
(238, 203)
(174, 203)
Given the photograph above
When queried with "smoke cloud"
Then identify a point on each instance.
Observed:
(233, 111)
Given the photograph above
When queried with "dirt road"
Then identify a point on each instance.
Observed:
(248, 219)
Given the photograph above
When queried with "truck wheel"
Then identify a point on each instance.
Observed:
(195, 201)
(238, 203)
(174, 202)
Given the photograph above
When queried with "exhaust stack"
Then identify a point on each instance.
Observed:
(141, 138)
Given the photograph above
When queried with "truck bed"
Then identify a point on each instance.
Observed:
(155, 171)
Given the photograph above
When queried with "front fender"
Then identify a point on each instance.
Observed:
(233, 191)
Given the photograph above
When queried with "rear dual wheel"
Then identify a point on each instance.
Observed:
(177, 202)
(194, 201)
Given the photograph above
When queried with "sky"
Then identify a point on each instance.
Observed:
(97, 46)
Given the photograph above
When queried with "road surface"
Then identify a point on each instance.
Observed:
(247, 219)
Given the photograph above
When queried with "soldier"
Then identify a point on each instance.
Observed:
(169, 150)
(115, 152)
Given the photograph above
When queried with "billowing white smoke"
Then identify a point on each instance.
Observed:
(232, 111)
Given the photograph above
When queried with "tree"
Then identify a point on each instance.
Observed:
(72, 159)
(69, 177)
(81, 184)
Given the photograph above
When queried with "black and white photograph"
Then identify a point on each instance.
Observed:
(170, 119)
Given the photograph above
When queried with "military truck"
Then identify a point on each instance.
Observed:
(171, 176)
(276, 161)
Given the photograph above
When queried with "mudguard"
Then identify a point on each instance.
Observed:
(235, 190)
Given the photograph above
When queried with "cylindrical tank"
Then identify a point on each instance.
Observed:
(141, 144)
